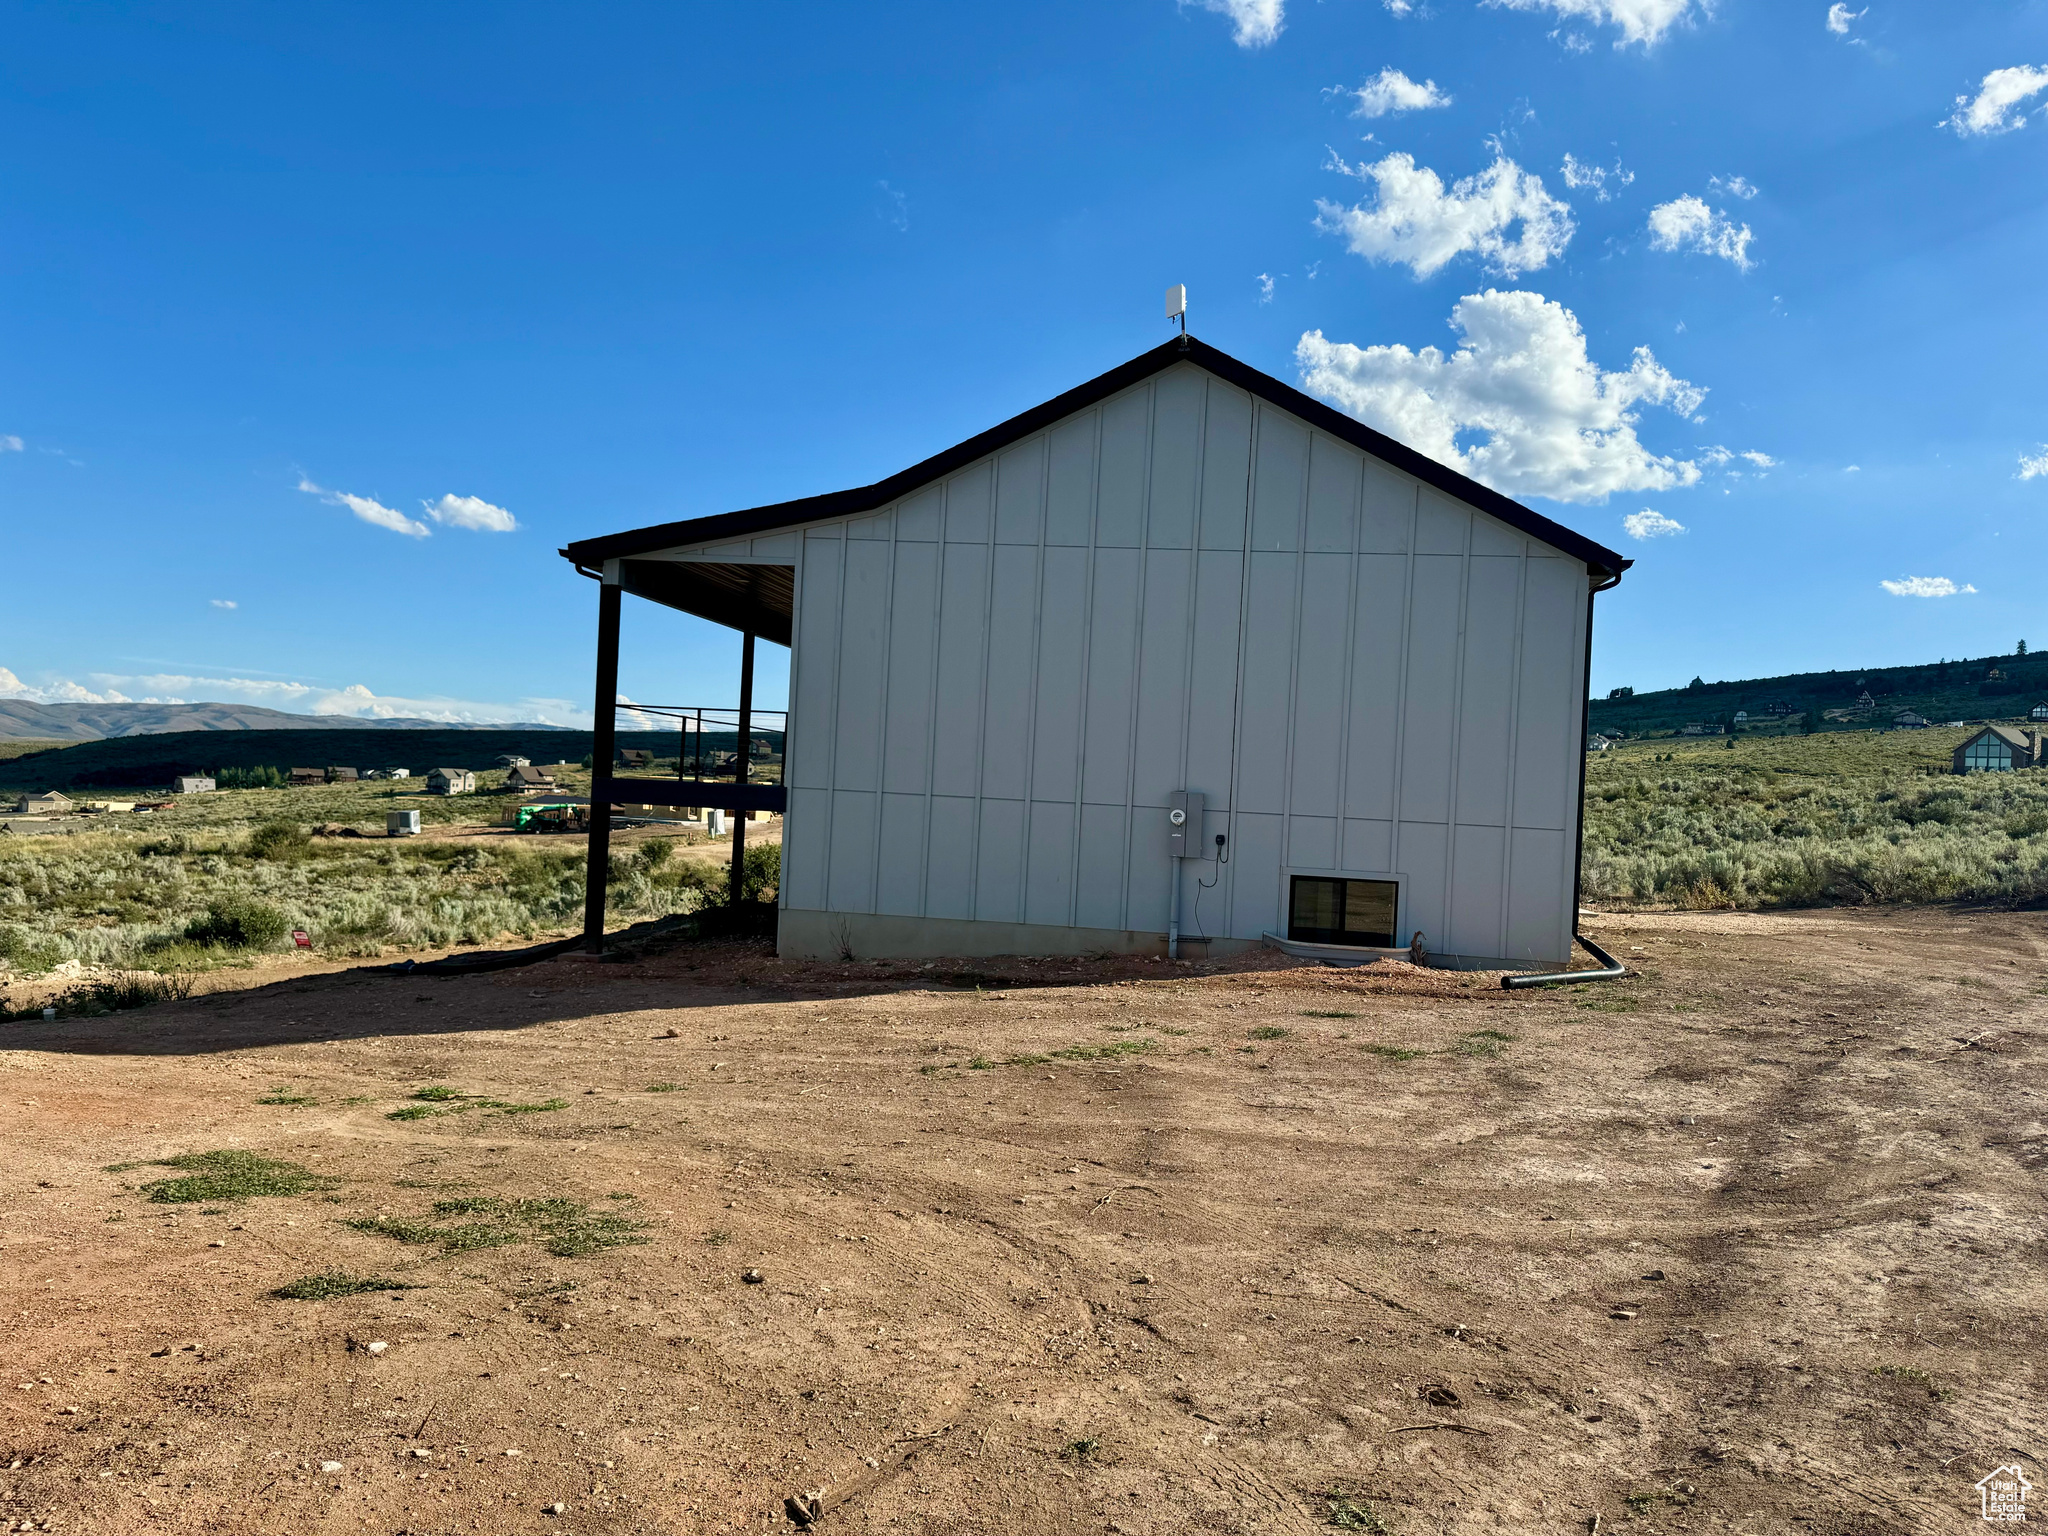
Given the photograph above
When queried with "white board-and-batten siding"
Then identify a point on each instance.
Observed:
(997, 681)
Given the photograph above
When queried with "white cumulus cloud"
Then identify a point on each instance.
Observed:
(1925, 586)
(1647, 524)
(1414, 219)
(62, 691)
(2034, 466)
(1639, 21)
(1719, 455)
(355, 699)
(1688, 224)
(1992, 109)
(1548, 420)
(1391, 91)
(1581, 177)
(471, 512)
(1400, 7)
(373, 512)
(9, 443)
(1265, 282)
(1734, 186)
(1254, 23)
(1840, 17)
(224, 602)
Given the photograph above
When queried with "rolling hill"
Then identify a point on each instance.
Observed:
(150, 762)
(1941, 691)
(22, 720)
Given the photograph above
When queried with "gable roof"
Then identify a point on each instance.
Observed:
(810, 509)
(2012, 736)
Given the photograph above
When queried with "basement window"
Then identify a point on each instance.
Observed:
(1357, 912)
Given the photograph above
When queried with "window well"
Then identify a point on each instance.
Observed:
(1325, 911)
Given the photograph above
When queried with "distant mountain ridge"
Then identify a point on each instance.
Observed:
(24, 720)
(1964, 689)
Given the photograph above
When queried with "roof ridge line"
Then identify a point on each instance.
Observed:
(1189, 349)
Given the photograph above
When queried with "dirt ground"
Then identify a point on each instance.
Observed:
(1752, 1242)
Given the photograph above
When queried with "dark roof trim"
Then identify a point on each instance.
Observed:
(867, 498)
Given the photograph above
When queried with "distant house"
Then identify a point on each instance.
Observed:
(1699, 728)
(2038, 712)
(512, 760)
(48, 803)
(635, 757)
(341, 775)
(1742, 717)
(1909, 722)
(304, 776)
(450, 781)
(397, 773)
(1999, 749)
(524, 778)
(192, 785)
(1599, 744)
(1865, 701)
(1781, 708)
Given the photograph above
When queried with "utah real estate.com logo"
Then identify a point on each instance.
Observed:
(2004, 1492)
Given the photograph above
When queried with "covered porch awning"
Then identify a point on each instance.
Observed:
(753, 599)
(758, 599)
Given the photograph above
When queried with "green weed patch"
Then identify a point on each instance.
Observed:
(1108, 1052)
(439, 1099)
(568, 1229)
(1348, 1511)
(331, 1283)
(227, 1175)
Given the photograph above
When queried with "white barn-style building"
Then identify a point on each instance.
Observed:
(1184, 585)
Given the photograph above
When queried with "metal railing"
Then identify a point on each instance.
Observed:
(695, 744)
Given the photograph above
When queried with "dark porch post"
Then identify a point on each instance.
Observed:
(739, 818)
(603, 717)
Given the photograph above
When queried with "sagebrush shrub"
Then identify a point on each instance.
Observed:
(238, 922)
(280, 841)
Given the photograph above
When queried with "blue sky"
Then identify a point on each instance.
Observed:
(349, 317)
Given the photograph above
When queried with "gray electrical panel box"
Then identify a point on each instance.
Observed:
(1184, 824)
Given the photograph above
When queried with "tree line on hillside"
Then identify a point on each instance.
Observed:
(1989, 677)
